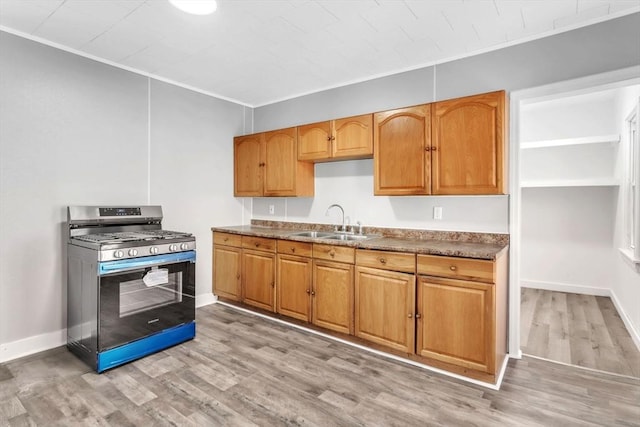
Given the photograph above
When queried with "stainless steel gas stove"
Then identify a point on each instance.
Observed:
(131, 284)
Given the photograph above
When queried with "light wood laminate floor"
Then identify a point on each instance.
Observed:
(245, 370)
(582, 330)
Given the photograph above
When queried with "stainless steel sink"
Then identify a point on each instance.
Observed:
(314, 234)
(348, 237)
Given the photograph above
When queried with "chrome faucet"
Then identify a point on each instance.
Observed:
(335, 205)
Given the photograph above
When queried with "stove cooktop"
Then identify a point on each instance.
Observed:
(132, 236)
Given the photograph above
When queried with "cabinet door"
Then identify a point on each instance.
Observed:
(384, 308)
(353, 137)
(258, 279)
(293, 286)
(226, 272)
(248, 155)
(314, 141)
(284, 175)
(332, 296)
(469, 145)
(402, 144)
(456, 323)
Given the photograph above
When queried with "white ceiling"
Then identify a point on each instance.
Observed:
(256, 52)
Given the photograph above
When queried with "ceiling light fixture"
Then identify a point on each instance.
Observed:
(196, 7)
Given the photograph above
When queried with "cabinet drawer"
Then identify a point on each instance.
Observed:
(227, 239)
(395, 261)
(457, 268)
(259, 243)
(334, 253)
(294, 248)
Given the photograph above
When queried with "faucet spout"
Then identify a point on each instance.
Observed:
(335, 205)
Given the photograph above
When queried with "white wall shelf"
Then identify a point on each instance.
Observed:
(591, 182)
(600, 139)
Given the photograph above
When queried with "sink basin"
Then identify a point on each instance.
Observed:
(348, 237)
(314, 234)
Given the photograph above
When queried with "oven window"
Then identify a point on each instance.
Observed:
(157, 288)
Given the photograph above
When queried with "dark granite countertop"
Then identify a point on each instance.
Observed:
(445, 243)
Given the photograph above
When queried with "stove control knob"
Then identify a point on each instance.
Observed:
(153, 250)
(133, 252)
(118, 254)
(173, 248)
(184, 246)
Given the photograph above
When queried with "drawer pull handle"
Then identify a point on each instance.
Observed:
(257, 245)
(453, 268)
(383, 261)
(332, 253)
(226, 239)
(293, 249)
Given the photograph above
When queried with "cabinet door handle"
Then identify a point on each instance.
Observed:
(418, 315)
(433, 148)
(313, 293)
(453, 268)
(427, 148)
(410, 316)
(273, 284)
(328, 138)
(308, 291)
(333, 138)
(238, 277)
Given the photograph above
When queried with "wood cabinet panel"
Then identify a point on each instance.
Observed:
(353, 137)
(457, 268)
(341, 139)
(456, 323)
(402, 143)
(469, 145)
(293, 286)
(227, 239)
(248, 168)
(259, 243)
(295, 248)
(314, 141)
(258, 279)
(384, 308)
(227, 263)
(386, 260)
(334, 253)
(332, 296)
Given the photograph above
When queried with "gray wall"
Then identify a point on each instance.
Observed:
(75, 131)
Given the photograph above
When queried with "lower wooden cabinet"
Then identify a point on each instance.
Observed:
(332, 296)
(293, 286)
(456, 323)
(227, 263)
(258, 279)
(385, 307)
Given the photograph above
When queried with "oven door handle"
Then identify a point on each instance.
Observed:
(144, 262)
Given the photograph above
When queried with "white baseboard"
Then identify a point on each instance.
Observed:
(205, 299)
(565, 287)
(32, 345)
(587, 290)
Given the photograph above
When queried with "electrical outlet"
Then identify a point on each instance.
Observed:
(272, 209)
(437, 212)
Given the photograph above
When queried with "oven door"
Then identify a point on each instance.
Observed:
(141, 296)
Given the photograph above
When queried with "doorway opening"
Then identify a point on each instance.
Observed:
(569, 283)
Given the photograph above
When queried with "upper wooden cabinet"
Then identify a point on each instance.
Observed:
(449, 147)
(468, 145)
(266, 164)
(341, 139)
(401, 160)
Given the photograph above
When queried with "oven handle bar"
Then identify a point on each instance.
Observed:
(144, 262)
